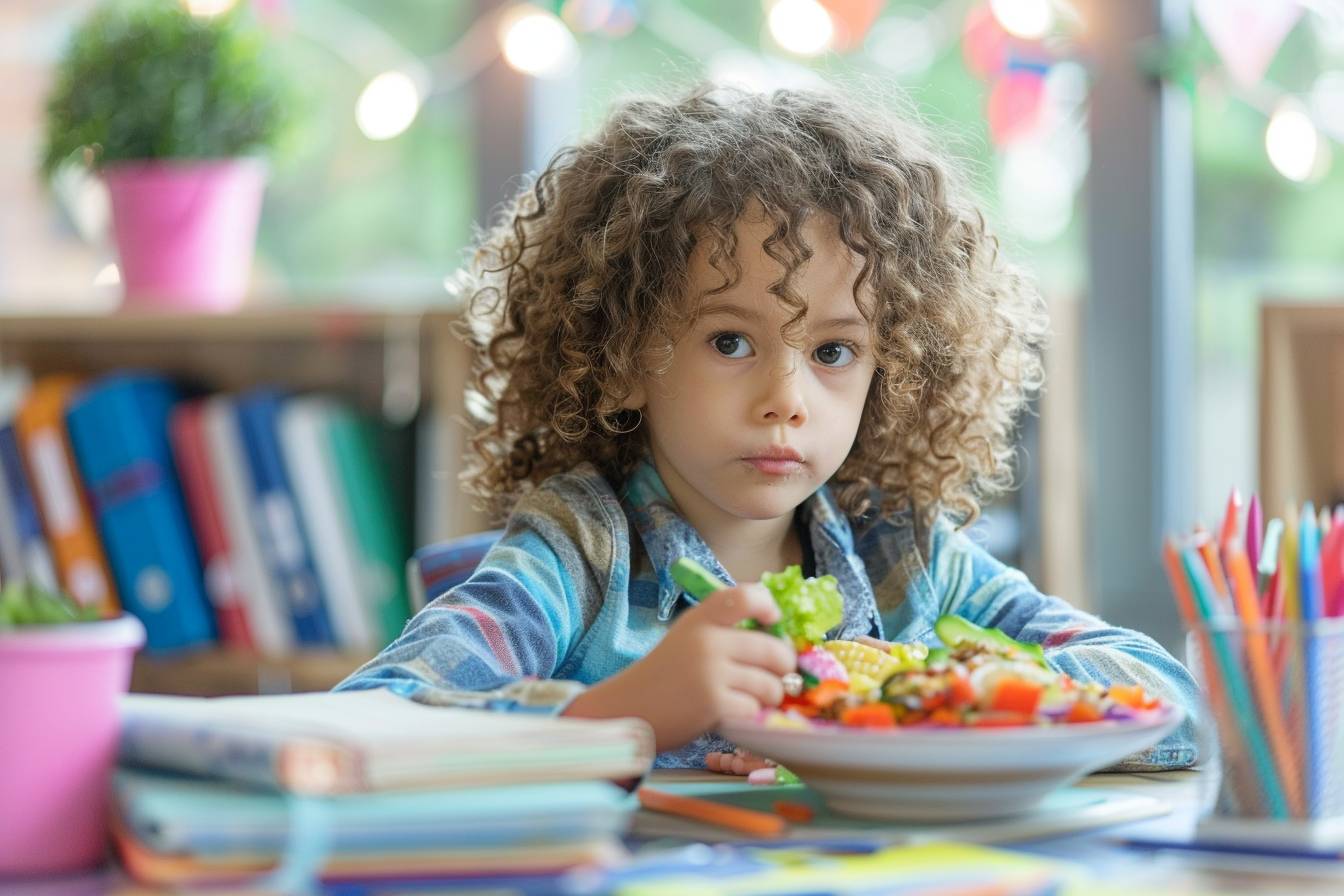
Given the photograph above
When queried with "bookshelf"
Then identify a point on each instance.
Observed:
(406, 367)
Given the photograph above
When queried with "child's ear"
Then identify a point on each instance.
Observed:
(636, 399)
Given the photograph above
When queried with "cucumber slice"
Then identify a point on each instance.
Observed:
(697, 581)
(700, 583)
(955, 631)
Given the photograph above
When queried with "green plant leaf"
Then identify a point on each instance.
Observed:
(145, 80)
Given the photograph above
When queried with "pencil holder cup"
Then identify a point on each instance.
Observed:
(1275, 692)
(58, 739)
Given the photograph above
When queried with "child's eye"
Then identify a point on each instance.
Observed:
(732, 345)
(835, 354)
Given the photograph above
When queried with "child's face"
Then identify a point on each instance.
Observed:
(743, 424)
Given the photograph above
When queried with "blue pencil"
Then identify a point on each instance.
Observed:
(1269, 852)
(1309, 563)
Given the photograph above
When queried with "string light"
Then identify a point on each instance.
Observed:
(537, 43)
(1027, 19)
(387, 106)
(1292, 141)
(801, 26)
(208, 8)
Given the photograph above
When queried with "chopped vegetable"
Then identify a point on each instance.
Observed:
(809, 608)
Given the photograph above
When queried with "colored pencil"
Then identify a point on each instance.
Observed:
(1239, 694)
(1262, 677)
(1268, 564)
(748, 821)
(1254, 531)
(1314, 671)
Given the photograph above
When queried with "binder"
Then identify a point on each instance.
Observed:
(284, 542)
(118, 430)
(191, 453)
(380, 534)
(311, 468)
(267, 617)
(62, 503)
(33, 562)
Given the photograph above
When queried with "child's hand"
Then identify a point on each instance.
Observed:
(705, 669)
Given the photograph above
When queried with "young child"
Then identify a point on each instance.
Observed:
(752, 330)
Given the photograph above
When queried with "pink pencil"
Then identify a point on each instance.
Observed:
(1254, 530)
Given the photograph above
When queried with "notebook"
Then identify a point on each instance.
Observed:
(374, 740)
(173, 814)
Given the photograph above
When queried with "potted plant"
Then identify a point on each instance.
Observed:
(175, 112)
(62, 669)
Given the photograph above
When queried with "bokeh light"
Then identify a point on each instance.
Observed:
(387, 106)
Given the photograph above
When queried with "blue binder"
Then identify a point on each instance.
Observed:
(119, 432)
(36, 556)
(283, 539)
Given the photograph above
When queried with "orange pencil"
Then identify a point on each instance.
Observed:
(1262, 676)
(748, 821)
(1231, 528)
(1208, 552)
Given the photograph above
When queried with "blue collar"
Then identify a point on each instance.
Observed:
(667, 536)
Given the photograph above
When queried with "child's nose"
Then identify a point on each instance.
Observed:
(782, 400)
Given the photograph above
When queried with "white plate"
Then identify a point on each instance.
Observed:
(947, 774)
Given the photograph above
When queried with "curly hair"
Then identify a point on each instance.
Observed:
(581, 288)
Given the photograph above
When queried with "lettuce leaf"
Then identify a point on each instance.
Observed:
(809, 608)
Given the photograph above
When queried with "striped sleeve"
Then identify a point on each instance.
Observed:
(496, 639)
(980, 588)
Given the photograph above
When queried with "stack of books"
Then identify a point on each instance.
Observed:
(261, 520)
(365, 786)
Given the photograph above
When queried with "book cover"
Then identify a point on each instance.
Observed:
(118, 429)
(380, 534)
(267, 616)
(171, 813)
(311, 467)
(372, 741)
(284, 543)
(62, 503)
(191, 454)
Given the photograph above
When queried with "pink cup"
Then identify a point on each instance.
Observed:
(186, 230)
(58, 740)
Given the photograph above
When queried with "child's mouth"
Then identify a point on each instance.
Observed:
(774, 466)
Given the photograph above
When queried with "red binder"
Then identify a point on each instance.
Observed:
(188, 440)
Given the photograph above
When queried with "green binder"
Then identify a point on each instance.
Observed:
(379, 532)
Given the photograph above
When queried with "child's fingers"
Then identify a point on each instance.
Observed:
(874, 642)
(736, 704)
(739, 762)
(761, 650)
(730, 606)
(743, 763)
(764, 687)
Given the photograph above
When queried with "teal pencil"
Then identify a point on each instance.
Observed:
(1234, 683)
(1309, 562)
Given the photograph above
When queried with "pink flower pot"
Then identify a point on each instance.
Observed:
(185, 230)
(58, 740)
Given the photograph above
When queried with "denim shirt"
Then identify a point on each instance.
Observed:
(579, 587)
